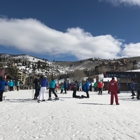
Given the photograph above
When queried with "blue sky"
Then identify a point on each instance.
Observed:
(70, 30)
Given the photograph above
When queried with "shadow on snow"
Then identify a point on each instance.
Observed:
(94, 104)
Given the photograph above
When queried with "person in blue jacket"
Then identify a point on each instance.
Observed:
(132, 86)
(52, 86)
(119, 87)
(43, 84)
(66, 86)
(6, 86)
(86, 88)
(3, 83)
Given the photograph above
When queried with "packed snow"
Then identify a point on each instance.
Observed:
(22, 118)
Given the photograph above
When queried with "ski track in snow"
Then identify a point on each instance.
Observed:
(69, 119)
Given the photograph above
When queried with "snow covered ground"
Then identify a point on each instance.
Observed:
(22, 118)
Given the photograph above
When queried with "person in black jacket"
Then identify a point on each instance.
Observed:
(74, 90)
(37, 87)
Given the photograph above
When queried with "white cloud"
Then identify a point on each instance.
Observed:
(33, 36)
(129, 2)
(131, 50)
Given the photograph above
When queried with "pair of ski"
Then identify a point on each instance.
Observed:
(53, 100)
(56, 99)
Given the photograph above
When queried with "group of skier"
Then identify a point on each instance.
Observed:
(86, 89)
(40, 84)
(40, 88)
(12, 85)
(7, 86)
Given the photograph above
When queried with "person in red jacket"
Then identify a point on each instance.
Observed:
(113, 89)
(100, 87)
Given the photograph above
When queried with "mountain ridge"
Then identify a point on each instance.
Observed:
(91, 66)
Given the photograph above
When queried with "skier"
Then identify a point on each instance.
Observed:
(132, 86)
(65, 86)
(61, 87)
(52, 89)
(18, 84)
(119, 88)
(37, 87)
(100, 87)
(11, 85)
(43, 84)
(113, 89)
(80, 86)
(86, 88)
(6, 87)
(95, 86)
(3, 83)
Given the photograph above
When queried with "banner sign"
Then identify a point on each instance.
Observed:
(132, 75)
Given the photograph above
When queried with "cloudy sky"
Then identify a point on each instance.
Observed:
(70, 30)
